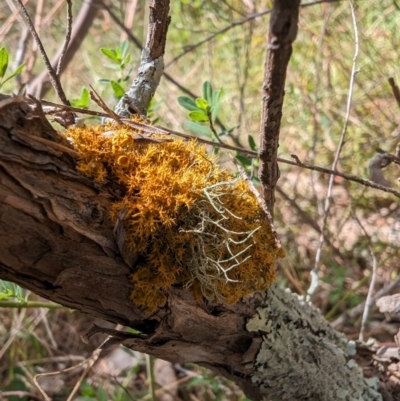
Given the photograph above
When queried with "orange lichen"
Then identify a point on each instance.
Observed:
(192, 222)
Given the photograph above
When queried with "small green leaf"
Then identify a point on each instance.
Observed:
(118, 90)
(187, 103)
(85, 97)
(202, 104)
(207, 91)
(228, 131)
(125, 61)
(244, 161)
(252, 143)
(110, 53)
(198, 116)
(3, 61)
(83, 101)
(124, 48)
(197, 128)
(215, 103)
(14, 74)
(104, 81)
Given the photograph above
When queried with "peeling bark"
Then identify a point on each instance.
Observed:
(56, 239)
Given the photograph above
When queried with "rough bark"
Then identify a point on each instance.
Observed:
(56, 240)
(282, 33)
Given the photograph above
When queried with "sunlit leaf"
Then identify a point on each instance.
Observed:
(202, 104)
(187, 103)
(118, 90)
(110, 54)
(198, 116)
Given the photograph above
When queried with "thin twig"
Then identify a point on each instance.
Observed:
(307, 219)
(314, 271)
(53, 76)
(369, 301)
(234, 25)
(349, 177)
(101, 103)
(395, 90)
(67, 38)
(353, 313)
(250, 153)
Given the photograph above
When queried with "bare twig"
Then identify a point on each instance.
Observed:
(101, 103)
(358, 310)
(395, 89)
(348, 177)
(314, 271)
(307, 219)
(53, 76)
(39, 85)
(282, 33)
(369, 301)
(234, 25)
(20, 394)
(67, 38)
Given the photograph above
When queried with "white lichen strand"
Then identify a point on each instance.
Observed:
(301, 357)
(138, 96)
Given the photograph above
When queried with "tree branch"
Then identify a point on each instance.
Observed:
(56, 239)
(283, 31)
(137, 98)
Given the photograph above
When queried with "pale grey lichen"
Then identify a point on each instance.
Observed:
(301, 357)
(138, 96)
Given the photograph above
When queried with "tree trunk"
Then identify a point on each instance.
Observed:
(57, 240)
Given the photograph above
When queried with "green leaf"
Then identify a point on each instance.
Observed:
(228, 131)
(14, 74)
(104, 81)
(187, 103)
(215, 103)
(252, 143)
(244, 161)
(124, 48)
(110, 53)
(118, 90)
(125, 61)
(83, 101)
(85, 97)
(3, 61)
(198, 116)
(197, 128)
(202, 104)
(101, 394)
(207, 92)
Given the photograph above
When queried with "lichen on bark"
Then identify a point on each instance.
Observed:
(301, 357)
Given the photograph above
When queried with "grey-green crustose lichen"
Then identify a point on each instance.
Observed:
(301, 357)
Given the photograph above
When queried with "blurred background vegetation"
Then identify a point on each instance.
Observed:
(362, 222)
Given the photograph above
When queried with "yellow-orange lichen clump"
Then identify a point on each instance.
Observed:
(193, 223)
